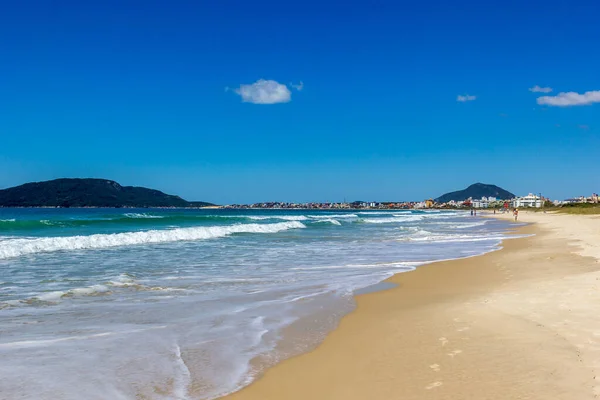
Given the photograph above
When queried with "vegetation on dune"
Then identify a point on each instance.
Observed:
(579, 208)
(575, 208)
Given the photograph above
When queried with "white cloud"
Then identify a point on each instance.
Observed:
(539, 89)
(264, 92)
(570, 99)
(298, 87)
(465, 98)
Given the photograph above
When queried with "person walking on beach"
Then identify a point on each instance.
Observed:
(471, 212)
(516, 213)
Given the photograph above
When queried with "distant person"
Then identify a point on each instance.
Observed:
(475, 213)
(494, 211)
(471, 212)
(516, 213)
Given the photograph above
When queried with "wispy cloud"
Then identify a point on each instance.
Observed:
(264, 92)
(539, 89)
(298, 87)
(584, 127)
(465, 98)
(566, 99)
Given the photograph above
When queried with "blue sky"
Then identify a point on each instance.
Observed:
(161, 94)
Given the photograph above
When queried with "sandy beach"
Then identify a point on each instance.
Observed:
(519, 323)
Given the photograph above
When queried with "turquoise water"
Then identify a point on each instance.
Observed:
(192, 304)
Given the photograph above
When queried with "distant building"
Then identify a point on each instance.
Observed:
(453, 203)
(581, 199)
(479, 203)
(420, 204)
(531, 200)
(484, 202)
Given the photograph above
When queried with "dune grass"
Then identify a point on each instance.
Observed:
(583, 209)
(578, 209)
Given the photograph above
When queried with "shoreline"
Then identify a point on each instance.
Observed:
(452, 329)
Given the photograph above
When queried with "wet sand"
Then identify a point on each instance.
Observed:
(519, 323)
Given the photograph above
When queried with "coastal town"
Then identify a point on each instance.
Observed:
(529, 201)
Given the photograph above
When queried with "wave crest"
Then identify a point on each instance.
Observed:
(142, 216)
(329, 220)
(20, 247)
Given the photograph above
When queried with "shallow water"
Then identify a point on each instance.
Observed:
(178, 304)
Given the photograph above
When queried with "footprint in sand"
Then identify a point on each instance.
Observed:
(465, 328)
(454, 353)
(444, 341)
(433, 385)
(435, 367)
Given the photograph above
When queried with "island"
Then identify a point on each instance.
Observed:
(90, 192)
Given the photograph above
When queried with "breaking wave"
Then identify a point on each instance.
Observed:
(450, 238)
(142, 216)
(20, 247)
(377, 212)
(396, 218)
(326, 216)
(283, 217)
(330, 220)
(56, 295)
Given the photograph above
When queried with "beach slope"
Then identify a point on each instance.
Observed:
(519, 323)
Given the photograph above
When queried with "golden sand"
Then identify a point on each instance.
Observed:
(519, 323)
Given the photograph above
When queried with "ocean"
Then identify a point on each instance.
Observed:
(193, 304)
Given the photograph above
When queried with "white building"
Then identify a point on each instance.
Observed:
(420, 204)
(531, 200)
(479, 203)
(484, 202)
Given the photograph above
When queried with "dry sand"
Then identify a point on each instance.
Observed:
(519, 323)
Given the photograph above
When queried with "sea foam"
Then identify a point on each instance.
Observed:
(142, 216)
(283, 217)
(20, 247)
(330, 220)
(394, 219)
(326, 216)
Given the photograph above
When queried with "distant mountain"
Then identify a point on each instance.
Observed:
(476, 191)
(88, 193)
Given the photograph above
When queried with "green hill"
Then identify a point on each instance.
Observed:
(68, 192)
(476, 191)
